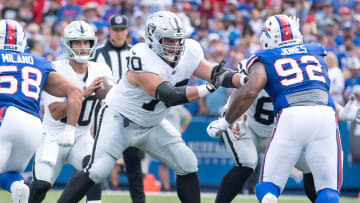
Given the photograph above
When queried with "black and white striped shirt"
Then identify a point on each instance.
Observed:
(115, 57)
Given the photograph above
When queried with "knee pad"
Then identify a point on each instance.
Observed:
(263, 188)
(86, 160)
(6, 179)
(327, 196)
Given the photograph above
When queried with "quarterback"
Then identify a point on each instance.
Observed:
(136, 107)
(295, 77)
(79, 43)
(22, 79)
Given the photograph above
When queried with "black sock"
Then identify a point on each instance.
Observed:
(232, 183)
(309, 187)
(38, 190)
(94, 192)
(132, 159)
(188, 188)
(76, 188)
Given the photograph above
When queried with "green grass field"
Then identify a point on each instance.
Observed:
(123, 197)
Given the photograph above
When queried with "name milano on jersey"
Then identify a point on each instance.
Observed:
(136, 104)
(82, 81)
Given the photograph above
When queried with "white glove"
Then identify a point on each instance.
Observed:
(215, 128)
(239, 128)
(350, 112)
(67, 138)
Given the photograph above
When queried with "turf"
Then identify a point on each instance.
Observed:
(123, 197)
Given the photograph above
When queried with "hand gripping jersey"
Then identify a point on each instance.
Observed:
(82, 81)
(22, 77)
(136, 104)
(292, 71)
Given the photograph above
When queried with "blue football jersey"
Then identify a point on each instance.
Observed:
(22, 77)
(293, 69)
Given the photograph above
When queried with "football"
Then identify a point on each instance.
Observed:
(106, 85)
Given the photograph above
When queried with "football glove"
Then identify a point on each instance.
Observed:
(350, 112)
(216, 127)
(217, 75)
(67, 138)
(239, 128)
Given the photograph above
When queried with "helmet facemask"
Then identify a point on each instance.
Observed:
(162, 28)
(172, 53)
(75, 31)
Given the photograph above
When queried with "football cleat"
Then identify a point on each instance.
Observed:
(19, 192)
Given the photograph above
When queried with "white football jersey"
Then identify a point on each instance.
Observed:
(136, 104)
(55, 127)
(261, 115)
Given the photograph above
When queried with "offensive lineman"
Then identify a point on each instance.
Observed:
(158, 73)
(22, 79)
(295, 76)
(79, 43)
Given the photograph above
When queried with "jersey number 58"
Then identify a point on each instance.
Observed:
(30, 86)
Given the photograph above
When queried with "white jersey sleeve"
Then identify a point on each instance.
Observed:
(261, 115)
(136, 104)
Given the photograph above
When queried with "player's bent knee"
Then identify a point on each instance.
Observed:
(327, 196)
(187, 165)
(264, 188)
(250, 164)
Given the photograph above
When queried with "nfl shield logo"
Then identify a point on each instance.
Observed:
(118, 20)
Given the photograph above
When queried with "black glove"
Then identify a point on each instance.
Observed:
(218, 75)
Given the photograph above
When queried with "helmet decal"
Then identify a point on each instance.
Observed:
(12, 36)
(285, 28)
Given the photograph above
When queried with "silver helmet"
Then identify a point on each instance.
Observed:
(165, 25)
(79, 30)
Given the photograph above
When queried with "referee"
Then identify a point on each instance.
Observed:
(113, 53)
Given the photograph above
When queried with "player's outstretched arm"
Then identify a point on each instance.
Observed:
(57, 85)
(242, 98)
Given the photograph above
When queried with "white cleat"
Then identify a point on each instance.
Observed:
(19, 192)
(269, 198)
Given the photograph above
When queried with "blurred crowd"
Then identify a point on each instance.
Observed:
(225, 28)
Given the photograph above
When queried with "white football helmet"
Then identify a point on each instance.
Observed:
(165, 24)
(79, 30)
(280, 30)
(12, 36)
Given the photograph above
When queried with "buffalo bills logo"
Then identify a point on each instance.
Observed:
(266, 30)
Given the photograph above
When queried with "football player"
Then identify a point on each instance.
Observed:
(251, 136)
(22, 79)
(79, 43)
(135, 108)
(295, 76)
